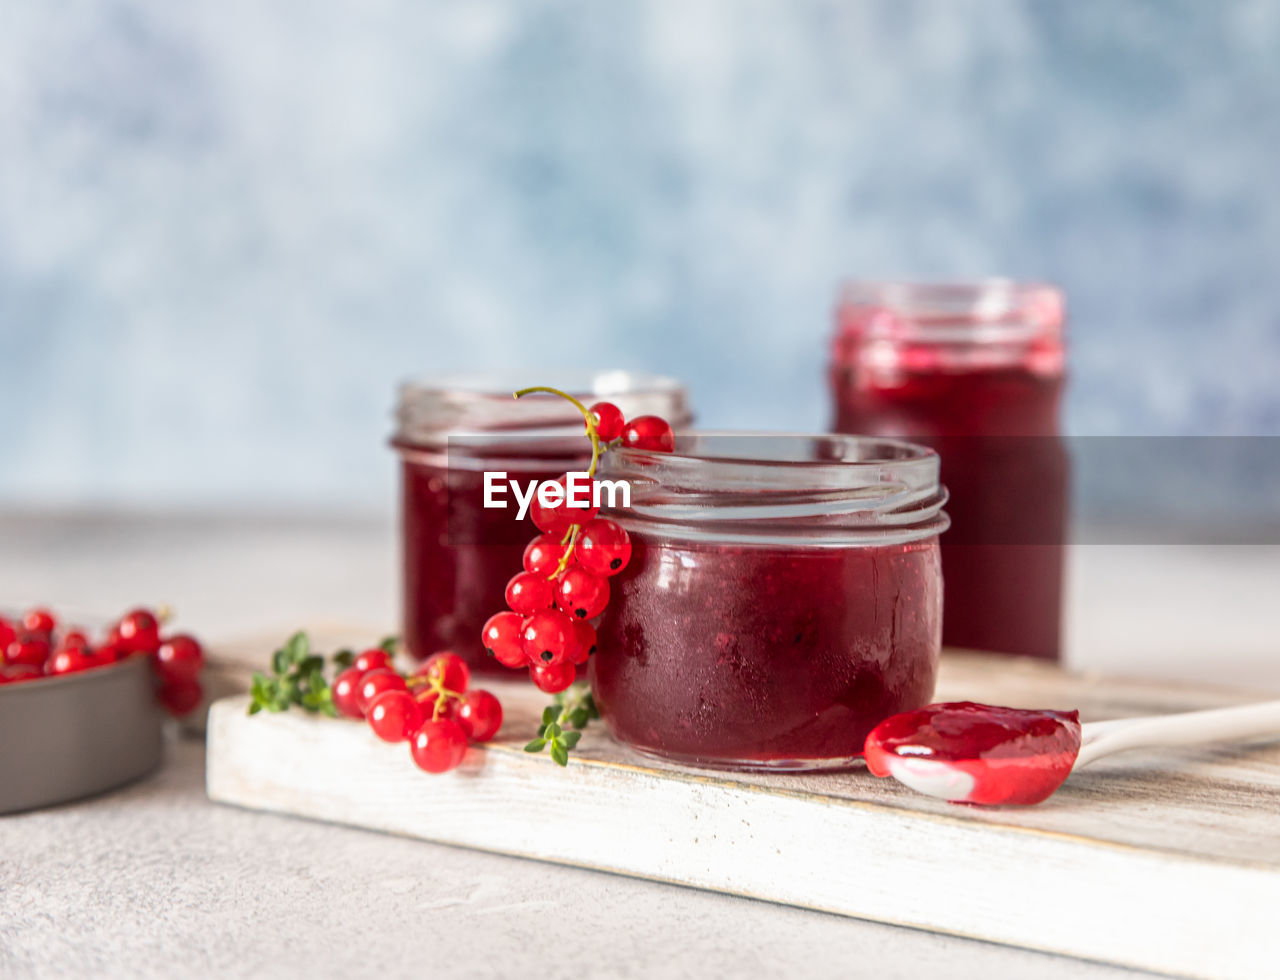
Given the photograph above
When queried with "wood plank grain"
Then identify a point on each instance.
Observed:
(1163, 860)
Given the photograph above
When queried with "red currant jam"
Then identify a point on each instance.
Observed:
(976, 373)
(766, 656)
(997, 755)
(773, 631)
(458, 555)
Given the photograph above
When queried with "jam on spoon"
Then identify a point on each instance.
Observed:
(977, 753)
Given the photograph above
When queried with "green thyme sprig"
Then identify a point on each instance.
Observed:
(575, 709)
(298, 677)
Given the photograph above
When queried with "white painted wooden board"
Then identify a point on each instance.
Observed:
(1167, 860)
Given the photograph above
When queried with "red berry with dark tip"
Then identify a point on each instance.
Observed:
(139, 631)
(480, 715)
(649, 432)
(374, 683)
(372, 659)
(394, 716)
(179, 658)
(542, 554)
(502, 637)
(439, 745)
(548, 637)
(31, 649)
(609, 420)
(603, 547)
(40, 621)
(581, 594)
(585, 634)
(528, 593)
(552, 678)
(579, 509)
(346, 692)
(74, 640)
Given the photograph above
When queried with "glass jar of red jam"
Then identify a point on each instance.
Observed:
(975, 371)
(783, 597)
(458, 555)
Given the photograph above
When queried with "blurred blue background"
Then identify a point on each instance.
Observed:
(228, 229)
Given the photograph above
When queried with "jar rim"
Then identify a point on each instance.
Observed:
(500, 383)
(431, 408)
(826, 489)
(891, 450)
(989, 310)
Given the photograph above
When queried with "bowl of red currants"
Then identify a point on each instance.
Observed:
(82, 715)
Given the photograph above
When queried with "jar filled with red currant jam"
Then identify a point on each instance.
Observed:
(783, 597)
(458, 554)
(976, 372)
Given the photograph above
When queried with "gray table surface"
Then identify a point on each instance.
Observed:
(154, 880)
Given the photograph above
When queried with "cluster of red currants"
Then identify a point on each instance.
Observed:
(431, 708)
(33, 647)
(565, 582)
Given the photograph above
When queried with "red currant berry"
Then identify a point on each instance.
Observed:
(548, 637)
(585, 634)
(528, 593)
(447, 669)
(111, 651)
(603, 547)
(8, 632)
(552, 678)
(139, 631)
(480, 716)
(346, 692)
(609, 420)
(181, 697)
(179, 658)
(554, 520)
(579, 509)
(31, 649)
(372, 659)
(501, 637)
(374, 683)
(581, 594)
(542, 554)
(70, 662)
(39, 621)
(649, 432)
(16, 673)
(75, 639)
(439, 745)
(394, 716)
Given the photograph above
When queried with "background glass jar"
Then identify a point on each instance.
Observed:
(975, 371)
(457, 554)
(783, 597)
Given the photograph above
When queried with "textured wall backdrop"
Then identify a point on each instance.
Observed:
(227, 229)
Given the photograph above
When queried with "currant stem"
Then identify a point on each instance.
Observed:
(571, 538)
(434, 686)
(586, 414)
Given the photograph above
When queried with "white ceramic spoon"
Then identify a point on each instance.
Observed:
(953, 781)
(1102, 738)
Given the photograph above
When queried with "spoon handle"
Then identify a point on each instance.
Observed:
(1099, 738)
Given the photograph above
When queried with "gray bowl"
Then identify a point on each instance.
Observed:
(62, 738)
